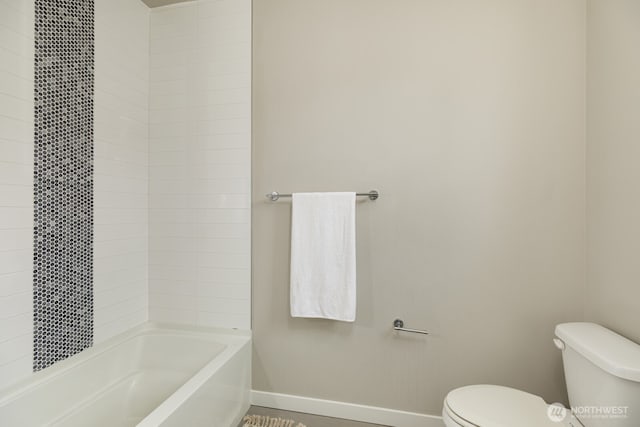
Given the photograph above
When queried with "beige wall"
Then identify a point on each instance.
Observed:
(469, 118)
(613, 294)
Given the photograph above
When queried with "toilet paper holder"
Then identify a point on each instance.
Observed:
(398, 325)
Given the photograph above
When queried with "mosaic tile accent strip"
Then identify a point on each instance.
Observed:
(63, 180)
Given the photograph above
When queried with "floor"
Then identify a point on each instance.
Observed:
(307, 419)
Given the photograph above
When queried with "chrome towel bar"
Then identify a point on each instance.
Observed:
(398, 325)
(274, 195)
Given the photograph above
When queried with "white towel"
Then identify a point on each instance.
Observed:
(323, 256)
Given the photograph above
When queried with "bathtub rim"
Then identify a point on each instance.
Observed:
(233, 339)
(193, 384)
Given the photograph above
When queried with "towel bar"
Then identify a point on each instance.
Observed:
(398, 325)
(274, 195)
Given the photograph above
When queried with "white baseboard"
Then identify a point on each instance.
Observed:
(349, 411)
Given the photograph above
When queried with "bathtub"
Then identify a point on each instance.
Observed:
(152, 375)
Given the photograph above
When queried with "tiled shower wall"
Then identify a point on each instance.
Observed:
(120, 175)
(121, 166)
(199, 156)
(171, 240)
(16, 189)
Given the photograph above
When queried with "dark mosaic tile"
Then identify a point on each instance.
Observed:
(63, 180)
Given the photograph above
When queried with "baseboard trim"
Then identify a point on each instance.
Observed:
(349, 411)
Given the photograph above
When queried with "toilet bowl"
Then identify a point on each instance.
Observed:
(497, 406)
(602, 373)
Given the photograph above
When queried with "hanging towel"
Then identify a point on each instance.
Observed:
(323, 256)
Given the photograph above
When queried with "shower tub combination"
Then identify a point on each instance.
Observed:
(152, 375)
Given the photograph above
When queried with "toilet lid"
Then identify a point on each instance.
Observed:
(497, 406)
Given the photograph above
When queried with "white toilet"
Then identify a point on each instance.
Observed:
(602, 372)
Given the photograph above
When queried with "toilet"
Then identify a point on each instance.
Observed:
(602, 373)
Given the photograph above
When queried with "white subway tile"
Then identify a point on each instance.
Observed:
(16, 304)
(208, 67)
(17, 108)
(172, 315)
(213, 9)
(224, 275)
(223, 126)
(15, 42)
(169, 172)
(120, 215)
(223, 260)
(18, 282)
(222, 111)
(17, 15)
(16, 239)
(171, 29)
(231, 246)
(109, 200)
(224, 305)
(120, 184)
(183, 14)
(16, 189)
(222, 171)
(226, 31)
(172, 216)
(224, 320)
(120, 231)
(230, 156)
(224, 96)
(169, 158)
(175, 244)
(224, 290)
(174, 301)
(18, 86)
(183, 287)
(105, 330)
(172, 258)
(121, 308)
(224, 141)
(112, 279)
(136, 155)
(222, 186)
(16, 195)
(15, 349)
(120, 168)
(13, 217)
(225, 81)
(199, 174)
(15, 326)
(128, 129)
(223, 216)
(173, 272)
(14, 173)
(119, 262)
(168, 201)
(224, 231)
(16, 129)
(222, 201)
(174, 230)
(18, 369)
(109, 297)
(109, 248)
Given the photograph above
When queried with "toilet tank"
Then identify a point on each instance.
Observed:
(602, 372)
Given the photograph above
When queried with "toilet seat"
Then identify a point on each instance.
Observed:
(495, 406)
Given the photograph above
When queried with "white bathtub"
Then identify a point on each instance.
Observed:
(153, 375)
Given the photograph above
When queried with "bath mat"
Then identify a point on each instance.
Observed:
(264, 421)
